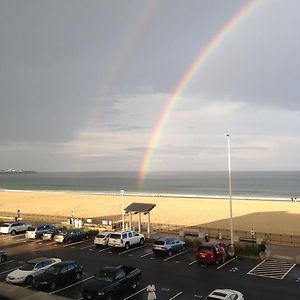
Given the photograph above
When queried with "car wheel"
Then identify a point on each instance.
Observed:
(142, 241)
(53, 286)
(77, 276)
(69, 241)
(127, 246)
(13, 232)
(87, 237)
(170, 252)
(28, 280)
(183, 248)
(2, 259)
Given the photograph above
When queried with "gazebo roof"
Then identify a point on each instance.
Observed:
(140, 207)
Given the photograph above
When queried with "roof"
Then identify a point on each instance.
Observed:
(140, 207)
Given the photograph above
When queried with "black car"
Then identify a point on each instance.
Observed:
(3, 256)
(70, 236)
(58, 275)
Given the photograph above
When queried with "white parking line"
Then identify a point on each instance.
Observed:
(6, 262)
(76, 243)
(135, 293)
(180, 253)
(175, 296)
(67, 287)
(105, 249)
(89, 246)
(132, 249)
(227, 262)
(8, 271)
(147, 254)
(193, 262)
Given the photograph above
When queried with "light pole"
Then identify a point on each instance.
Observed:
(122, 198)
(229, 185)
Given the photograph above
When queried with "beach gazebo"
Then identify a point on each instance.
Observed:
(139, 208)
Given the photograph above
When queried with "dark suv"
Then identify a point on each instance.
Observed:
(168, 245)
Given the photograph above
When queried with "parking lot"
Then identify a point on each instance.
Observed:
(176, 277)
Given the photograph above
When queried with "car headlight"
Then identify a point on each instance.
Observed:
(100, 293)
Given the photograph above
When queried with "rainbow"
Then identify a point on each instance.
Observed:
(186, 79)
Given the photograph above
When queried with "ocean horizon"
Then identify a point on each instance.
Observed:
(266, 185)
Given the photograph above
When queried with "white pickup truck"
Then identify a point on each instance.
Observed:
(125, 239)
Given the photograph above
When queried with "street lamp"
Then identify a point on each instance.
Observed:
(229, 185)
(123, 221)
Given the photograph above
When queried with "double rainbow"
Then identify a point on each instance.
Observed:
(186, 79)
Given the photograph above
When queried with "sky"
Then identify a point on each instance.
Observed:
(83, 85)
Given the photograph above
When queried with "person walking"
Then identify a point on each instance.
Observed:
(151, 291)
(262, 251)
(223, 252)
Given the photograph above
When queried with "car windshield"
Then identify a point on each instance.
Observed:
(105, 276)
(101, 236)
(5, 225)
(53, 270)
(28, 266)
(115, 236)
(205, 249)
(31, 229)
(159, 243)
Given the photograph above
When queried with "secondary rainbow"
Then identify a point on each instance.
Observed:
(185, 80)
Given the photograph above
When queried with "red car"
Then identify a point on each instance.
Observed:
(209, 252)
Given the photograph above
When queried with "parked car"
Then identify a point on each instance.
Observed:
(70, 236)
(168, 245)
(36, 232)
(49, 234)
(14, 227)
(3, 256)
(30, 269)
(109, 281)
(225, 294)
(209, 252)
(101, 239)
(58, 275)
(125, 239)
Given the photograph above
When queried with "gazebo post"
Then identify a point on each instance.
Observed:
(130, 220)
(148, 229)
(139, 222)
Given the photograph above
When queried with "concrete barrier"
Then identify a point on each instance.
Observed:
(14, 292)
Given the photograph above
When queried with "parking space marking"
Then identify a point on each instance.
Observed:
(67, 287)
(52, 243)
(105, 249)
(8, 271)
(193, 262)
(89, 246)
(7, 262)
(272, 269)
(175, 296)
(180, 253)
(136, 293)
(147, 254)
(227, 262)
(76, 243)
(132, 249)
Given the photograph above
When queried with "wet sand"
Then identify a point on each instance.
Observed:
(282, 217)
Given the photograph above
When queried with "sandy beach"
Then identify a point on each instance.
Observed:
(280, 217)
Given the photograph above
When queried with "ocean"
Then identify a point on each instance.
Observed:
(269, 185)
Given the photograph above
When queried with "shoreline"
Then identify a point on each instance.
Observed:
(280, 217)
(154, 195)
